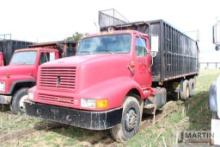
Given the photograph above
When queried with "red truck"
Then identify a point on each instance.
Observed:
(21, 73)
(115, 76)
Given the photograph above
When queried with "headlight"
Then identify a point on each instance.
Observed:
(94, 103)
(2, 86)
(30, 95)
(88, 103)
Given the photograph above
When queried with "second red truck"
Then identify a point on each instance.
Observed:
(21, 73)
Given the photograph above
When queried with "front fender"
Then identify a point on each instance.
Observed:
(114, 90)
(13, 81)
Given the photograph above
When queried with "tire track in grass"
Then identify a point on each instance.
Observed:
(22, 133)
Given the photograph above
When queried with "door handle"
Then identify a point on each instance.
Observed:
(131, 67)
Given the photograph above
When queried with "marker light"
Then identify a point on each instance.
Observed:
(102, 103)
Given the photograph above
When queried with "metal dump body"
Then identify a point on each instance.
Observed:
(65, 48)
(177, 54)
(7, 47)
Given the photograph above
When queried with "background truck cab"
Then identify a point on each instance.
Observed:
(21, 73)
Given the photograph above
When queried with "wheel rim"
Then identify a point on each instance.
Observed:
(187, 92)
(131, 119)
(21, 103)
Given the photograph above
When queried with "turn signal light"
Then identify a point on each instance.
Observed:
(102, 103)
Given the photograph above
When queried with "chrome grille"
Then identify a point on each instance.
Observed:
(53, 98)
(58, 77)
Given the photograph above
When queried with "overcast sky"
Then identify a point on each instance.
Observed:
(48, 20)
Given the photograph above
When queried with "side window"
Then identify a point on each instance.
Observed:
(52, 56)
(46, 57)
(141, 47)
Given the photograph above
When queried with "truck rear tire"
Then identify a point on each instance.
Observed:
(130, 122)
(192, 83)
(184, 91)
(17, 105)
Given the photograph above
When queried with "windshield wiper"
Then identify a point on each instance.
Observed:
(106, 50)
(83, 52)
(20, 63)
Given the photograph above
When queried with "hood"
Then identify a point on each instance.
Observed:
(102, 67)
(16, 70)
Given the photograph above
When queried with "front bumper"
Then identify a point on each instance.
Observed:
(5, 99)
(93, 120)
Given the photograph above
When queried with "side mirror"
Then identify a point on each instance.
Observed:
(216, 33)
(153, 54)
(154, 45)
(217, 47)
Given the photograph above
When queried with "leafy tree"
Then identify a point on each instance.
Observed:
(75, 37)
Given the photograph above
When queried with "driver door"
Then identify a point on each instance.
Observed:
(143, 62)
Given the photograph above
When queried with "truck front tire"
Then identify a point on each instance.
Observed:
(130, 122)
(17, 105)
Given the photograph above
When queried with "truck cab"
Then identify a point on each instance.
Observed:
(8, 47)
(82, 90)
(21, 73)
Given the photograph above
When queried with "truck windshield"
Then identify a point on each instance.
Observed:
(24, 58)
(120, 43)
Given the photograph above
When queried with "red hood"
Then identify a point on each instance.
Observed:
(16, 70)
(91, 72)
(94, 66)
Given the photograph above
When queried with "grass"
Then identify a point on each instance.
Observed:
(11, 122)
(190, 115)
